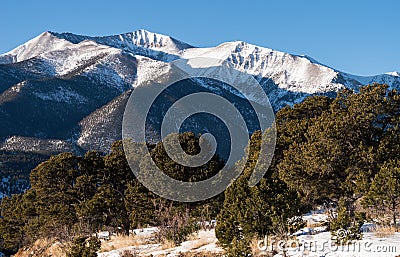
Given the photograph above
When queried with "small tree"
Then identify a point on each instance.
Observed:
(347, 224)
(84, 247)
(384, 191)
(175, 223)
(249, 212)
(239, 247)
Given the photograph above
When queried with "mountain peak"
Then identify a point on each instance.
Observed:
(142, 42)
(44, 42)
(393, 73)
(297, 73)
(150, 39)
(74, 75)
(131, 40)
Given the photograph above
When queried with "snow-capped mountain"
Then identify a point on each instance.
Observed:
(69, 91)
(140, 42)
(60, 54)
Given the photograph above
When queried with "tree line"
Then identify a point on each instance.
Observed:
(73, 196)
(339, 151)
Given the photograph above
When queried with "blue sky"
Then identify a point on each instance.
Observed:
(360, 37)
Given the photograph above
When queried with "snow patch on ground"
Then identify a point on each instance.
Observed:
(320, 245)
(204, 241)
(317, 245)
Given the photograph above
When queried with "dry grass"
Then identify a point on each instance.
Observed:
(255, 247)
(383, 231)
(199, 243)
(167, 244)
(129, 253)
(202, 254)
(120, 241)
(314, 224)
(193, 236)
(44, 248)
(125, 243)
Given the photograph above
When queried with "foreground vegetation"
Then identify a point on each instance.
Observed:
(340, 152)
(73, 196)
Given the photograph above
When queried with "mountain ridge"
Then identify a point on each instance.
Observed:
(68, 63)
(67, 92)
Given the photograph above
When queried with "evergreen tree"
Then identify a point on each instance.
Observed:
(84, 247)
(346, 225)
(116, 177)
(385, 189)
(254, 212)
(141, 205)
(339, 145)
(55, 198)
(11, 224)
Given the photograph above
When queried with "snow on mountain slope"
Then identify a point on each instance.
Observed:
(148, 67)
(28, 144)
(108, 65)
(290, 72)
(140, 42)
(45, 42)
(67, 59)
(66, 52)
(62, 95)
(392, 79)
(101, 128)
(393, 73)
(72, 89)
(131, 41)
(104, 64)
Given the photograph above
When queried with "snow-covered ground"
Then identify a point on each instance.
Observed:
(317, 245)
(316, 241)
(204, 241)
(313, 241)
(321, 245)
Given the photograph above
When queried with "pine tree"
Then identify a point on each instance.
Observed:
(84, 247)
(53, 182)
(385, 189)
(342, 144)
(254, 212)
(141, 205)
(11, 224)
(347, 224)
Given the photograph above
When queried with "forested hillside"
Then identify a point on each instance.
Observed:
(338, 152)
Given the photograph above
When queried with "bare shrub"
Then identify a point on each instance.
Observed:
(384, 231)
(129, 253)
(119, 241)
(167, 244)
(175, 226)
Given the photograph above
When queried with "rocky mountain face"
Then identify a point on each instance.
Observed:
(66, 92)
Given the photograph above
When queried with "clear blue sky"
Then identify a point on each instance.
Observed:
(360, 37)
